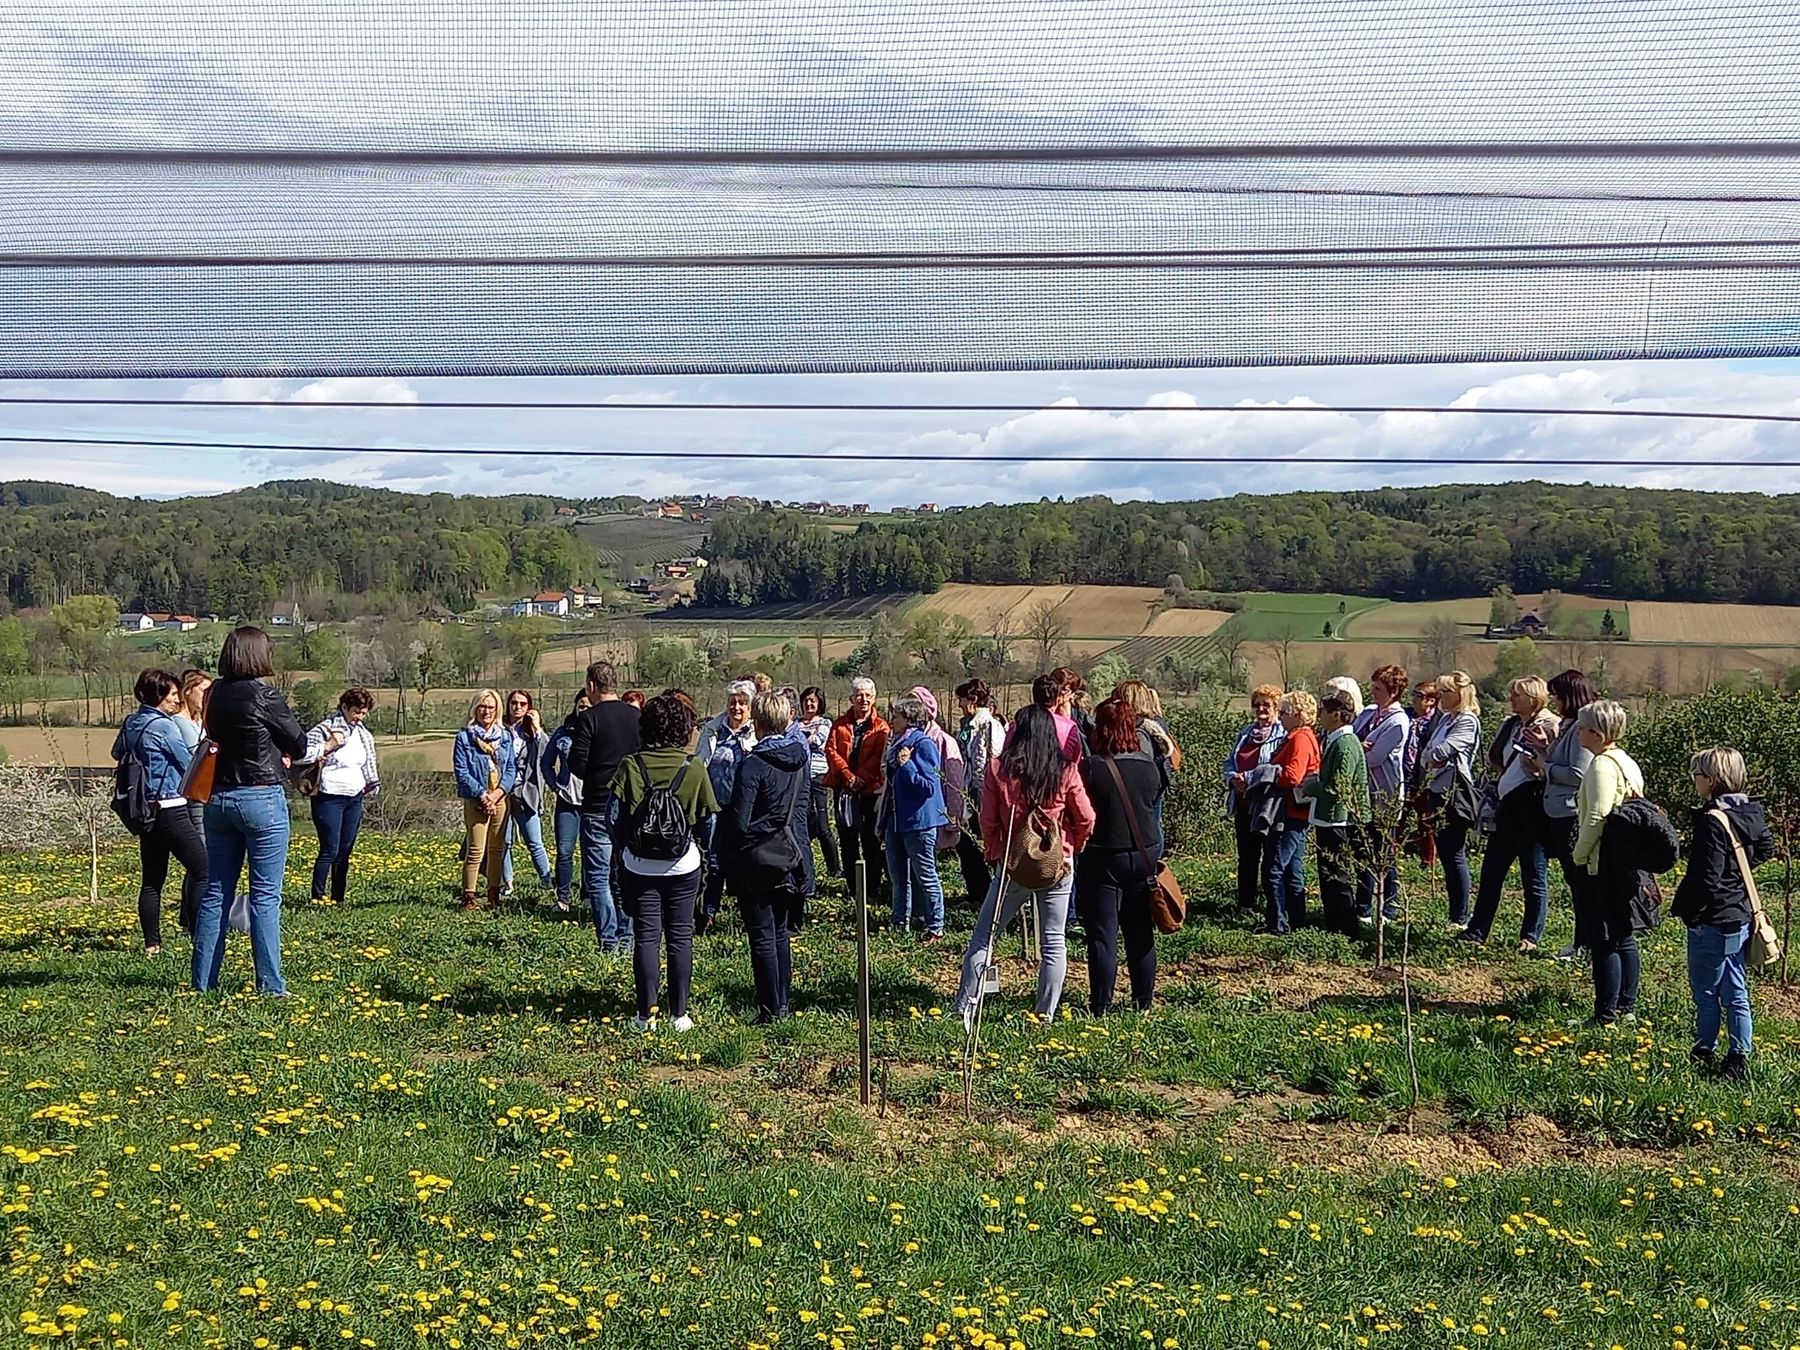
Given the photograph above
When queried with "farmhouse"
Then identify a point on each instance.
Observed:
(1529, 624)
(136, 623)
(284, 614)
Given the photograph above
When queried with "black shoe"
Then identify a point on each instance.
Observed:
(1734, 1067)
(765, 1018)
(1470, 935)
(702, 922)
(1701, 1057)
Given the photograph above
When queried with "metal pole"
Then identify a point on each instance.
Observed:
(860, 888)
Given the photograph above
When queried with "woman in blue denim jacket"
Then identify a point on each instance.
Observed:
(486, 774)
(912, 814)
(153, 736)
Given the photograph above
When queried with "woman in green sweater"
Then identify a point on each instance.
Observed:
(1340, 811)
(659, 862)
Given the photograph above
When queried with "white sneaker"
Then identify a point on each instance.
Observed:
(1568, 952)
(683, 1023)
(644, 1023)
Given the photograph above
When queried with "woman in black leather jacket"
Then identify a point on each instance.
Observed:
(256, 737)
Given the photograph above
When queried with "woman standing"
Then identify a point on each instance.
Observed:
(1033, 774)
(525, 807)
(1446, 759)
(256, 737)
(566, 787)
(1715, 904)
(1124, 783)
(980, 736)
(1385, 731)
(345, 752)
(1255, 746)
(1561, 770)
(1295, 761)
(815, 724)
(1606, 919)
(658, 891)
(912, 814)
(763, 842)
(153, 736)
(1518, 825)
(190, 720)
(486, 774)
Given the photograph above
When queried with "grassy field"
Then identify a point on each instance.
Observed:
(450, 1136)
(1267, 614)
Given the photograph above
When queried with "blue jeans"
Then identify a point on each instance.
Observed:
(1004, 900)
(1715, 962)
(1453, 853)
(531, 828)
(568, 832)
(243, 823)
(913, 876)
(1287, 878)
(599, 887)
(337, 819)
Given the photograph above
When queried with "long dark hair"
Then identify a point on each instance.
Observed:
(1033, 757)
(1573, 691)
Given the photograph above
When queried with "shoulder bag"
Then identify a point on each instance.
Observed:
(197, 782)
(1168, 906)
(1764, 946)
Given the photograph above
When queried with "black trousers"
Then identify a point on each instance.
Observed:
(977, 876)
(1112, 891)
(766, 926)
(1256, 853)
(1340, 851)
(864, 841)
(661, 908)
(172, 832)
(819, 827)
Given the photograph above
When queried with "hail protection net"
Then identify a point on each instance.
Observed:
(270, 186)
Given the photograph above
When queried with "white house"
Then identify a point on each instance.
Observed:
(284, 614)
(136, 623)
(177, 623)
(551, 604)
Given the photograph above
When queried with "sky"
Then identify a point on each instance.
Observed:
(841, 75)
(1724, 455)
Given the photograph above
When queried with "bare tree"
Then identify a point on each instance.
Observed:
(1440, 644)
(1046, 627)
(1281, 648)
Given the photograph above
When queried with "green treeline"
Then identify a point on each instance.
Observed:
(233, 553)
(1406, 543)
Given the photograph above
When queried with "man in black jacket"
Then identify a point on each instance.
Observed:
(604, 736)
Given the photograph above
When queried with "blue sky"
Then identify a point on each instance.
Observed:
(1723, 454)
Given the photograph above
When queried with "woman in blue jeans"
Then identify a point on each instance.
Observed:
(255, 738)
(565, 786)
(912, 814)
(1714, 901)
(525, 808)
(344, 750)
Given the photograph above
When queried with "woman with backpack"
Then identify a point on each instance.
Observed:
(1608, 916)
(1035, 817)
(1716, 900)
(1125, 781)
(912, 814)
(151, 747)
(664, 794)
(763, 846)
(486, 774)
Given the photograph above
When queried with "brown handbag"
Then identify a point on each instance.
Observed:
(197, 782)
(1168, 906)
(1764, 945)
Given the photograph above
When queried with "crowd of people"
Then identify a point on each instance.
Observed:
(1059, 807)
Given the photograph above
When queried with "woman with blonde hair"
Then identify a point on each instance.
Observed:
(486, 774)
(1518, 822)
(1446, 764)
(1607, 920)
(1296, 761)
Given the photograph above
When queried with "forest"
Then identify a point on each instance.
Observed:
(1402, 543)
(233, 553)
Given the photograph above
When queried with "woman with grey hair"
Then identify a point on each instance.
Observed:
(1717, 902)
(912, 814)
(721, 747)
(854, 752)
(1606, 922)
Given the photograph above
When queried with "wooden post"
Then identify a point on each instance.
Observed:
(860, 889)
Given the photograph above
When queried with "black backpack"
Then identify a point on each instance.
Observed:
(131, 790)
(1639, 836)
(659, 827)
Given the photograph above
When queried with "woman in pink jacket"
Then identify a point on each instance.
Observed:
(1032, 774)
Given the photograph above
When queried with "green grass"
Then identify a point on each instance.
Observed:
(451, 1136)
(1268, 614)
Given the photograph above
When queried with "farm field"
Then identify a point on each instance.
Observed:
(856, 609)
(1268, 614)
(450, 1134)
(631, 541)
(1187, 623)
(1092, 611)
(1746, 625)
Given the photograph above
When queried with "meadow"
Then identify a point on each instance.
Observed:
(450, 1135)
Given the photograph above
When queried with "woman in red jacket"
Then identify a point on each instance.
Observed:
(1296, 761)
(1031, 774)
(853, 755)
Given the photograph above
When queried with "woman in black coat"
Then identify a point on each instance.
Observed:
(763, 846)
(1112, 877)
(1715, 904)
